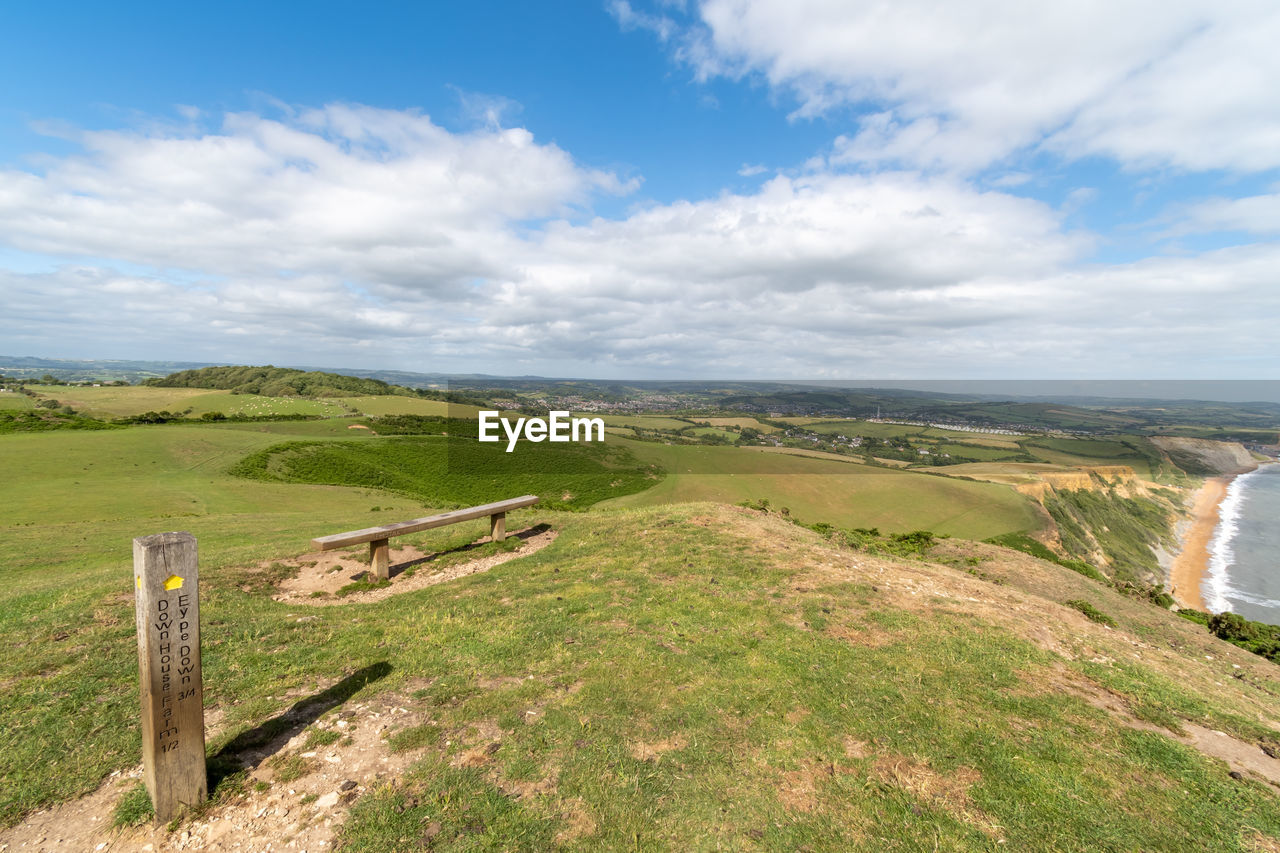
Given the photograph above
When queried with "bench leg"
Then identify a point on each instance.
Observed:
(497, 527)
(380, 558)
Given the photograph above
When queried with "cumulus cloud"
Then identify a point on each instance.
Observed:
(348, 190)
(353, 236)
(963, 85)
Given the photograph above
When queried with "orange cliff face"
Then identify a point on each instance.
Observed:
(1083, 479)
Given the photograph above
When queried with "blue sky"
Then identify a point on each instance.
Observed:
(730, 188)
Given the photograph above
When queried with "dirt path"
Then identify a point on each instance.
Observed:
(1192, 562)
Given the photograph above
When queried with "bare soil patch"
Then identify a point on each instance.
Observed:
(946, 791)
(321, 575)
(1240, 756)
(650, 751)
(278, 809)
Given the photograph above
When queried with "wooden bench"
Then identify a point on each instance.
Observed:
(379, 537)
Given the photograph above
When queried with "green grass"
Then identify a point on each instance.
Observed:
(119, 401)
(72, 503)
(707, 432)
(663, 678)
(254, 406)
(643, 421)
(749, 696)
(844, 495)
(397, 405)
(1133, 451)
(1027, 545)
(456, 470)
(978, 453)
(134, 808)
(127, 401)
(1125, 528)
(367, 583)
(1092, 613)
(865, 428)
(12, 401)
(748, 423)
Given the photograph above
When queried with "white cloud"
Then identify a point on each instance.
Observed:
(629, 19)
(1258, 214)
(963, 85)
(367, 237)
(348, 190)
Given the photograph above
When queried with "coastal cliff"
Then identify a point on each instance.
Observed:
(1205, 457)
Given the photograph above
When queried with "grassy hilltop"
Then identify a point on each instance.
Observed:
(669, 673)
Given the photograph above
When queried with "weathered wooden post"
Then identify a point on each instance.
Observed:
(380, 558)
(498, 526)
(166, 578)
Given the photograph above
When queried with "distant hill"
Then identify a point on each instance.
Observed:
(279, 382)
(90, 370)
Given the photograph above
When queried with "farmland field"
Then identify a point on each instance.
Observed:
(13, 401)
(742, 423)
(398, 405)
(708, 432)
(832, 491)
(123, 402)
(642, 421)
(1068, 451)
(1010, 473)
(1007, 443)
(971, 451)
(800, 451)
(253, 405)
(119, 402)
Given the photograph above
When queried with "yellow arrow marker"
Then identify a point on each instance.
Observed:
(137, 581)
(173, 582)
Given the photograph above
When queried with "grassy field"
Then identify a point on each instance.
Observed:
(253, 405)
(833, 491)
(1122, 450)
(121, 402)
(396, 405)
(742, 423)
(1009, 473)
(735, 684)
(452, 470)
(13, 401)
(800, 451)
(970, 451)
(1002, 442)
(704, 432)
(642, 421)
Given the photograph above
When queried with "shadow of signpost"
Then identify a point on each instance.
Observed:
(251, 747)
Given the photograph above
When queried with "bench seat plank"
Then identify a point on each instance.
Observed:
(373, 534)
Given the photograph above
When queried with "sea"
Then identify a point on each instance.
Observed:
(1244, 554)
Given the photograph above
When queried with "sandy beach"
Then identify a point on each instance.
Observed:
(1192, 563)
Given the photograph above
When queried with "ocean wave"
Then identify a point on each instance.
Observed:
(1217, 587)
(1240, 595)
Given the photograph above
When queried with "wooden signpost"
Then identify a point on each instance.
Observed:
(166, 579)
